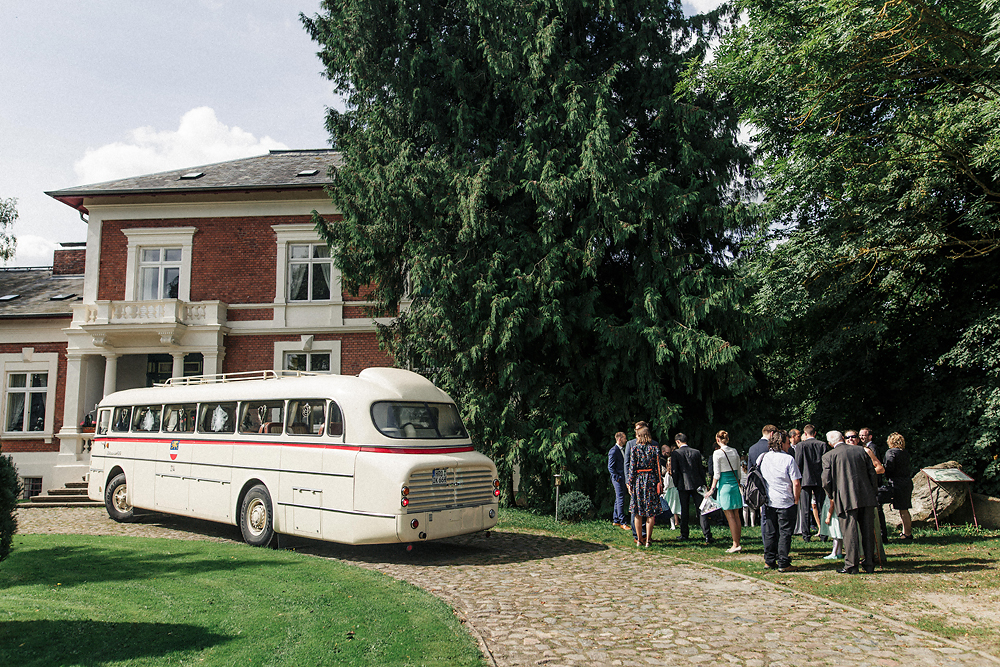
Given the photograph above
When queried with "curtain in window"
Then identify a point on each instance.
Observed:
(15, 412)
(297, 280)
(321, 281)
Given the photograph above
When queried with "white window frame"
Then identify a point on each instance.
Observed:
(161, 265)
(157, 237)
(308, 346)
(299, 234)
(30, 362)
(311, 262)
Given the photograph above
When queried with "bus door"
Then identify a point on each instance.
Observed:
(304, 490)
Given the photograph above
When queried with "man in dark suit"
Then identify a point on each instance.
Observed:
(688, 474)
(849, 476)
(616, 467)
(809, 458)
(867, 438)
(759, 448)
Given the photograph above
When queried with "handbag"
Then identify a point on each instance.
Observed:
(708, 505)
(884, 493)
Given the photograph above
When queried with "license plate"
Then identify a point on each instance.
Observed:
(439, 476)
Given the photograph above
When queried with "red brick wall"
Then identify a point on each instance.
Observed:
(363, 294)
(351, 312)
(232, 259)
(249, 314)
(253, 353)
(69, 262)
(59, 382)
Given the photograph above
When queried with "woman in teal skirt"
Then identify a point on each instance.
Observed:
(726, 464)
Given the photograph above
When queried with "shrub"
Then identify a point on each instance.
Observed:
(10, 491)
(574, 506)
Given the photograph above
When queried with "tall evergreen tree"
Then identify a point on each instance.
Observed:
(876, 125)
(556, 221)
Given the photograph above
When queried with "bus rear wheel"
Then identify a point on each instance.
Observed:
(256, 517)
(116, 500)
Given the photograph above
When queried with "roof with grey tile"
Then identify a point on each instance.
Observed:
(38, 293)
(279, 169)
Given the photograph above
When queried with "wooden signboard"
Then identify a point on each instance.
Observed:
(946, 475)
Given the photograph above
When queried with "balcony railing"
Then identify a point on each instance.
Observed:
(167, 311)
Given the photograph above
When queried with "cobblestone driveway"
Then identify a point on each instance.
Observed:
(538, 600)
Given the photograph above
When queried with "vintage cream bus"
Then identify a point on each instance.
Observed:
(377, 458)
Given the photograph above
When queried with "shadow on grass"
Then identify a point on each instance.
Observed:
(477, 549)
(45, 642)
(68, 566)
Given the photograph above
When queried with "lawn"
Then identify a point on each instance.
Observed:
(946, 582)
(80, 600)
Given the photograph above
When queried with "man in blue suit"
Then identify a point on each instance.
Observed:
(616, 466)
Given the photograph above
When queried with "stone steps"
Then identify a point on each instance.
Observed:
(74, 494)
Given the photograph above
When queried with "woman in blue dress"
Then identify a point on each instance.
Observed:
(726, 478)
(644, 483)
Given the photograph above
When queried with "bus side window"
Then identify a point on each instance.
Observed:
(306, 417)
(336, 420)
(103, 422)
(179, 418)
(121, 420)
(217, 418)
(146, 419)
(264, 417)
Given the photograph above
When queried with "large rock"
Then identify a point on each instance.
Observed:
(948, 497)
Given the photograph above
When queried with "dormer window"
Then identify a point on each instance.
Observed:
(192, 175)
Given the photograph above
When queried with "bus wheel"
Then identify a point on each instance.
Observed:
(116, 499)
(256, 518)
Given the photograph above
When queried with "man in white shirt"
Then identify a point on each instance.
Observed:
(784, 484)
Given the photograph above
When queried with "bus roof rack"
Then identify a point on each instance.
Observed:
(236, 377)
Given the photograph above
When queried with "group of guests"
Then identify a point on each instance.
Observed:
(834, 486)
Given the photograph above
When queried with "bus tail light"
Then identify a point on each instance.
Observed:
(404, 502)
(496, 488)
(414, 524)
(405, 491)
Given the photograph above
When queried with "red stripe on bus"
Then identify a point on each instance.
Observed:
(358, 448)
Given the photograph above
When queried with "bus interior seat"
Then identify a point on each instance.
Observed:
(270, 427)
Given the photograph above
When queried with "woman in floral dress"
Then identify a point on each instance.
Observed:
(644, 483)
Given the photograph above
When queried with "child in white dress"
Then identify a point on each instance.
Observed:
(831, 528)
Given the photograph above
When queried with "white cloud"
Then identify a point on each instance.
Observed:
(33, 250)
(200, 139)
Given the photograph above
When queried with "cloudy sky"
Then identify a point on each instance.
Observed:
(94, 91)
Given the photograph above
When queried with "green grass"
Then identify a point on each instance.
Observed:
(80, 600)
(946, 582)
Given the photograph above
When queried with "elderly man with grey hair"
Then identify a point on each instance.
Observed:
(849, 479)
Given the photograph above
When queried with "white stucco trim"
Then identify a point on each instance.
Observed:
(156, 237)
(308, 344)
(28, 361)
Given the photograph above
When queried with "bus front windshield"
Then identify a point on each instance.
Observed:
(421, 421)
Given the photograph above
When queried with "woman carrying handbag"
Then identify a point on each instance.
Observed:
(645, 483)
(726, 464)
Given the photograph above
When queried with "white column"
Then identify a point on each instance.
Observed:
(75, 390)
(110, 373)
(212, 364)
(178, 369)
(72, 462)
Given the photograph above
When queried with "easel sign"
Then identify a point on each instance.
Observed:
(939, 475)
